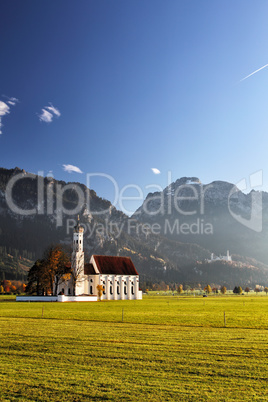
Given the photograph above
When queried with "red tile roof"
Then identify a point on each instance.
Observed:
(109, 265)
(89, 269)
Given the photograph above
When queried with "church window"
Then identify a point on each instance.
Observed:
(125, 289)
(111, 290)
(118, 290)
(104, 290)
(76, 241)
(80, 241)
(62, 291)
(69, 291)
(132, 289)
(91, 290)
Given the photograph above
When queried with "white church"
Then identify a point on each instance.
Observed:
(117, 275)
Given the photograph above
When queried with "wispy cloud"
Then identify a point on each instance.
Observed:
(45, 116)
(254, 72)
(71, 169)
(5, 108)
(12, 101)
(156, 171)
(53, 109)
(48, 112)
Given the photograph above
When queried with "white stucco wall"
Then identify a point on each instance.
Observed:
(77, 298)
(128, 282)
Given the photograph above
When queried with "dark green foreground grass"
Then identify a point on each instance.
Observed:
(167, 349)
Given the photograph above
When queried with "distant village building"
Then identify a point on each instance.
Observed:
(117, 275)
(214, 257)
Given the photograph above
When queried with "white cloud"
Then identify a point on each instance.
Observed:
(46, 116)
(53, 110)
(155, 171)
(71, 169)
(48, 113)
(12, 101)
(5, 109)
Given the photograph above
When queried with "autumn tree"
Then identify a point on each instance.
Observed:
(100, 290)
(247, 289)
(266, 289)
(22, 288)
(7, 286)
(223, 290)
(239, 290)
(208, 289)
(47, 271)
(180, 289)
(13, 289)
(55, 260)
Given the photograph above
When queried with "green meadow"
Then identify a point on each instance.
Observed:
(157, 349)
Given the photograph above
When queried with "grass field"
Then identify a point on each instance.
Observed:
(166, 349)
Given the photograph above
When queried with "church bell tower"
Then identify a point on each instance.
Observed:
(78, 253)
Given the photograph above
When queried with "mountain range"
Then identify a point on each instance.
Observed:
(170, 238)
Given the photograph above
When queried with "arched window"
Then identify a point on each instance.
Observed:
(111, 290)
(103, 289)
(125, 290)
(91, 290)
(118, 290)
(132, 289)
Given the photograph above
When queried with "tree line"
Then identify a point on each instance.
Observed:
(12, 287)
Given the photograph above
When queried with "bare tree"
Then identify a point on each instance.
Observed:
(77, 272)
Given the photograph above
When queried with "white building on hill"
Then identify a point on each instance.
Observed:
(214, 257)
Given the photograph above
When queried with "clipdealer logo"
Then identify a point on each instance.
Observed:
(50, 197)
(131, 226)
(255, 221)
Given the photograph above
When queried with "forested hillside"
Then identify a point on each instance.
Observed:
(166, 257)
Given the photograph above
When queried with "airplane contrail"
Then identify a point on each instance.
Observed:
(254, 72)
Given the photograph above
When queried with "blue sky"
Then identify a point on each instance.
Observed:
(120, 87)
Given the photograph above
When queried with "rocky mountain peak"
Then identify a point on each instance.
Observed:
(187, 180)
